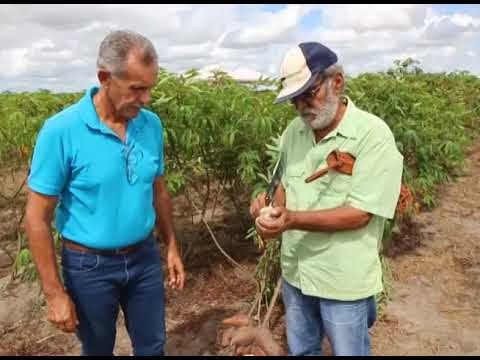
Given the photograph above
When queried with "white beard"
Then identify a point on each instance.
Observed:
(323, 117)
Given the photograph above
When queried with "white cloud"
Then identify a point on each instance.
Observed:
(449, 27)
(188, 51)
(43, 44)
(13, 62)
(268, 28)
(449, 50)
(465, 20)
(42, 47)
(339, 36)
(365, 17)
(435, 40)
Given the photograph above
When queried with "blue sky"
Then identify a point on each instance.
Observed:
(311, 19)
(44, 48)
(452, 8)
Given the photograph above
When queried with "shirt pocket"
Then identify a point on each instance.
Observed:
(149, 168)
(327, 191)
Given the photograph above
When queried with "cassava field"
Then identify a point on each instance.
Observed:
(220, 149)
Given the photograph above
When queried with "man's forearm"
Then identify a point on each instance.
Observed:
(338, 219)
(164, 218)
(43, 252)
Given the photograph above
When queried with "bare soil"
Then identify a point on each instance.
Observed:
(435, 309)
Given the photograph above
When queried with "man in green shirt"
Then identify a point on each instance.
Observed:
(330, 227)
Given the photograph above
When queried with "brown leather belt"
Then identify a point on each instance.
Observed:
(77, 247)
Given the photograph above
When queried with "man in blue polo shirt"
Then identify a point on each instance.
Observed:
(99, 164)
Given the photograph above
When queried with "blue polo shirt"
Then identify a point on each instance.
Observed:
(105, 186)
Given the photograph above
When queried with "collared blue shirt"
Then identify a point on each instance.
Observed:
(105, 186)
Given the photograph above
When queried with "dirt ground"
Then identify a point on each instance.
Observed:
(435, 309)
(436, 305)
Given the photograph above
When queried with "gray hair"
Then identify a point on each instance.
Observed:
(115, 48)
(332, 70)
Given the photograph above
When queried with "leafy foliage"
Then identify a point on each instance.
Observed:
(222, 133)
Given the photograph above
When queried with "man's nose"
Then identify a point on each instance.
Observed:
(145, 98)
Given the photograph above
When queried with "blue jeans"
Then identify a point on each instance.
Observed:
(345, 323)
(99, 284)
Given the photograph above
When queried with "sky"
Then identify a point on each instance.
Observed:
(55, 46)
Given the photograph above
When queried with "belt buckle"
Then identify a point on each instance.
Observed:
(117, 251)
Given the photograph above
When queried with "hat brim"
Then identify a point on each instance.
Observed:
(296, 87)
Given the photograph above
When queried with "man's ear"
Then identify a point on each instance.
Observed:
(104, 77)
(338, 81)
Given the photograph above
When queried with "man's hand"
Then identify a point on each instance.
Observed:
(163, 209)
(273, 223)
(38, 218)
(176, 273)
(259, 203)
(61, 312)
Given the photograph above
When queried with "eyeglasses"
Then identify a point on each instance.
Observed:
(309, 94)
(132, 157)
